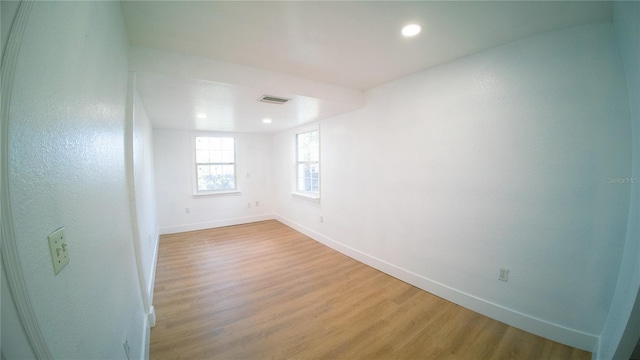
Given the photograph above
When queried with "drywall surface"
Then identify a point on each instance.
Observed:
(180, 210)
(9, 10)
(504, 159)
(66, 168)
(145, 192)
(622, 328)
(14, 340)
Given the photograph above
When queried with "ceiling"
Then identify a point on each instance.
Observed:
(310, 51)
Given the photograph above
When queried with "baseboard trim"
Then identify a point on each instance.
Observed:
(146, 337)
(214, 224)
(540, 327)
(152, 272)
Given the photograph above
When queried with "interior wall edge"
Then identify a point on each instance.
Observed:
(214, 224)
(10, 259)
(551, 331)
(146, 339)
(131, 188)
(621, 329)
(154, 265)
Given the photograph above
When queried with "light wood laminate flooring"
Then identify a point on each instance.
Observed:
(266, 291)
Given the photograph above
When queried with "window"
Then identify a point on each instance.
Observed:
(215, 164)
(308, 162)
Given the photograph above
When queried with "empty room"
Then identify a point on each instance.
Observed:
(320, 180)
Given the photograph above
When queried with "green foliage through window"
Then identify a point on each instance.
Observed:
(215, 163)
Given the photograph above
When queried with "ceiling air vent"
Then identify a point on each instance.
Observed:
(273, 99)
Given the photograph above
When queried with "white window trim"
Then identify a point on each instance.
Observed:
(306, 196)
(310, 196)
(194, 171)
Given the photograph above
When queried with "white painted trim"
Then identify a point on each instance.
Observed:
(306, 196)
(214, 224)
(146, 339)
(10, 256)
(131, 189)
(152, 271)
(194, 172)
(540, 327)
(204, 194)
(315, 197)
(151, 318)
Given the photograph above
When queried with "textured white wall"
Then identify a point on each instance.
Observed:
(499, 159)
(174, 174)
(66, 168)
(8, 12)
(145, 191)
(622, 327)
(13, 340)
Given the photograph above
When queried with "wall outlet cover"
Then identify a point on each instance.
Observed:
(504, 275)
(58, 248)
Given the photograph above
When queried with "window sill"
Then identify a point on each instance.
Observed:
(307, 196)
(216, 193)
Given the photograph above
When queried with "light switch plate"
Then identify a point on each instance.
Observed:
(58, 247)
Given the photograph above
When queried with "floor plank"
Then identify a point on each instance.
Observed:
(263, 290)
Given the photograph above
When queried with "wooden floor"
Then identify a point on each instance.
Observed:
(265, 291)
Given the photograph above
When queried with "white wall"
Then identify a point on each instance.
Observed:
(8, 13)
(622, 328)
(14, 340)
(175, 173)
(145, 192)
(66, 168)
(499, 159)
(12, 335)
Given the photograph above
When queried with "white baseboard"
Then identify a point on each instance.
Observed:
(152, 273)
(214, 224)
(146, 338)
(540, 327)
(151, 317)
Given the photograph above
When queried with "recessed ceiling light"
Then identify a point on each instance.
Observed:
(201, 116)
(411, 30)
(266, 121)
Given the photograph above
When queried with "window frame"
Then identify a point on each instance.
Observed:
(195, 164)
(308, 195)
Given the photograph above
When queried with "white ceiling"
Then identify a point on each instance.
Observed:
(330, 47)
(167, 100)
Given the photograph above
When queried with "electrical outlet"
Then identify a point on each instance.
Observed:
(257, 203)
(504, 275)
(58, 248)
(248, 205)
(321, 218)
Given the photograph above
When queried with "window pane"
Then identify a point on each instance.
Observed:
(228, 144)
(203, 170)
(308, 158)
(308, 177)
(308, 148)
(202, 156)
(227, 156)
(215, 143)
(215, 163)
(228, 180)
(216, 156)
(300, 177)
(202, 143)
